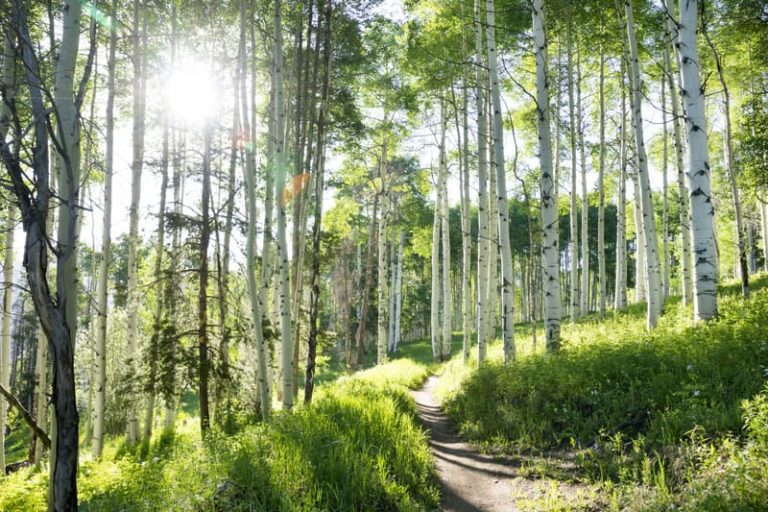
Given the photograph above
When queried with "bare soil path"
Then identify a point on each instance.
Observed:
(472, 481)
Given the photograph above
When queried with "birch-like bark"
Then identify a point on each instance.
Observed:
(730, 169)
(482, 194)
(764, 224)
(8, 90)
(601, 187)
(256, 292)
(665, 190)
(100, 352)
(574, 219)
(677, 120)
(280, 184)
(655, 298)
(466, 233)
(584, 288)
(381, 322)
(435, 332)
(641, 269)
(137, 165)
(620, 294)
(702, 209)
(445, 349)
(5, 329)
(399, 290)
(392, 292)
(507, 273)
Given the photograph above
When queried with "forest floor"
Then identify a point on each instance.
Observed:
(473, 481)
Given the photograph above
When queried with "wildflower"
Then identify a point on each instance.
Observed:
(696, 392)
(690, 368)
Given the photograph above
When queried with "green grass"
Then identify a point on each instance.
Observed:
(657, 417)
(358, 447)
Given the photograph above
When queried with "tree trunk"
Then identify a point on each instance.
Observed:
(399, 290)
(601, 187)
(548, 187)
(280, 187)
(584, 288)
(445, 349)
(139, 109)
(655, 298)
(620, 292)
(368, 284)
(314, 301)
(100, 353)
(702, 209)
(5, 330)
(482, 194)
(665, 190)
(507, 274)
(574, 219)
(435, 332)
(730, 168)
(685, 227)
(202, 299)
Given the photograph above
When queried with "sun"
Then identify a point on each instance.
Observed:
(191, 95)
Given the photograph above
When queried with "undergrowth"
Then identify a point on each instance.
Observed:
(358, 447)
(658, 417)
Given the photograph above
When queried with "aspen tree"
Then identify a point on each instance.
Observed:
(655, 298)
(100, 355)
(730, 167)
(5, 328)
(280, 187)
(584, 288)
(137, 165)
(665, 190)
(574, 221)
(601, 184)
(507, 273)
(620, 293)
(677, 120)
(445, 349)
(482, 199)
(702, 209)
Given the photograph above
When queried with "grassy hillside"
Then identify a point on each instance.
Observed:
(357, 448)
(671, 417)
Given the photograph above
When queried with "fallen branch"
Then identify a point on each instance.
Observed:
(39, 432)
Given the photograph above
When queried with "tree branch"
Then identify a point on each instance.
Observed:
(39, 432)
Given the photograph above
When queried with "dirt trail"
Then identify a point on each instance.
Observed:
(472, 481)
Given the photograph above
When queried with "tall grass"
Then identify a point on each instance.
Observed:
(357, 448)
(643, 410)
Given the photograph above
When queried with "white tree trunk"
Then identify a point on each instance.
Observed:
(482, 194)
(137, 165)
(685, 227)
(466, 233)
(548, 187)
(399, 290)
(256, 289)
(655, 298)
(641, 269)
(392, 270)
(584, 289)
(100, 353)
(445, 349)
(620, 294)
(435, 331)
(382, 280)
(507, 271)
(764, 224)
(280, 185)
(574, 220)
(5, 330)
(665, 190)
(702, 209)
(600, 187)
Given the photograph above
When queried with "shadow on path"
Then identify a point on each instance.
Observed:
(472, 481)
